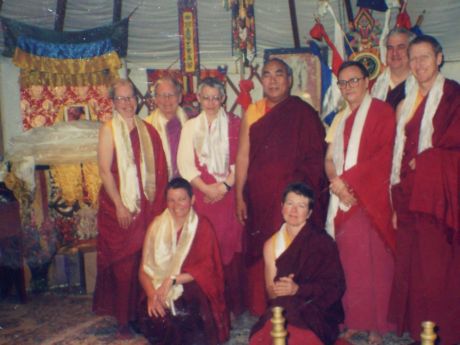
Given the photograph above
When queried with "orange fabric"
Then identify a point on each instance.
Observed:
(256, 111)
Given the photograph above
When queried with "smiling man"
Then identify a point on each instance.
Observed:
(168, 119)
(425, 192)
(359, 217)
(392, 84)
(281, 141)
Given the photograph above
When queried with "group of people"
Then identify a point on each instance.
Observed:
(352, 231)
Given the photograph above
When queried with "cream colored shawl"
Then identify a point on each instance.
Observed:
(341, 162)
(426, 127)
(163, 255)
(129, 187)
(211, 144)
(159, 121)
(383, 83)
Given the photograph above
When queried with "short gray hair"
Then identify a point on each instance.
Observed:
(214, 83)
(167, 79)
(118, 83)
(400, 31)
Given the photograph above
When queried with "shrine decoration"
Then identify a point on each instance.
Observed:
(243, 30)
(189, 46)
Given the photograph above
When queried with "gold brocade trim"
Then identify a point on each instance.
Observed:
(28, 78)
(69, 179)
(27, 61)
(92, 181)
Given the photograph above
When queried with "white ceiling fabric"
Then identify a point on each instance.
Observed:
(153, 29)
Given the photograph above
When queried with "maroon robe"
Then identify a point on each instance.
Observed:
(396, 95)
(286, 145)
(427, 279)
(118, 249)
(203, 300)
(228, 230)
(313, 259)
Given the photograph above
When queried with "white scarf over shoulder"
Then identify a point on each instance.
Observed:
(341, 162)
(129, 187)
(164, 255)
(426, 128)
(159, 122)
(382, 85)
(211, 143)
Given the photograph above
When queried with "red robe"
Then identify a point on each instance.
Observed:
(119, 250)
(364, 234)
(286, 145)
(227, 227)
(427, 279)
(313, 259)
(206, 292)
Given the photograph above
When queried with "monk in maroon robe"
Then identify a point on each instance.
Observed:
(281, 141)
(183, 300)
(303, 275)
(425, 192)
(391, 85)
(122, 220)
(358, 164)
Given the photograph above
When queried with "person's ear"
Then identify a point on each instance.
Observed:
(309, 213)
(192, 202)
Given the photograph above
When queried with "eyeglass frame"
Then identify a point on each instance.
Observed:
(353, 82)
(124, 98)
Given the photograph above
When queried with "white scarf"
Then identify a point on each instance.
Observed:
(129, 187)
(281, 242)
(383, 82)
(426, 128)
(159, 121)
(342, 163)
(211, 144)
(163, 256)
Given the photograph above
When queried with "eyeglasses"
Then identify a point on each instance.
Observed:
(124, 98)
(211, 98)
(342, 84)
(166, 95)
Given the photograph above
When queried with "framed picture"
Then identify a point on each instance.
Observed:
(306, 72)
(76, 112)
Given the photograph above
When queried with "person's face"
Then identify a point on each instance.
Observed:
(167, 99)
(353, 85)
(179, 203)
(397, 56)
(124, 101)
(295, 209)
(210, 100)
(275, 82)
(424, 64)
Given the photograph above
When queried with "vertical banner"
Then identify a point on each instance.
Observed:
(243, 30)
(189, 48)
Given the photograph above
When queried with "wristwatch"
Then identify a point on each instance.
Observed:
(173, 278)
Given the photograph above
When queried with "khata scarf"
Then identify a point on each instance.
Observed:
(129, 187)
(159, 122)
(341, 162)
(211, 144)
(163, 254)
(426, 128)
(382, 85)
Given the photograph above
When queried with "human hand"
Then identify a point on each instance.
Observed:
(215, 192)
(154, 307)
(285, 286)
(124, 217)
(337, 185)
(241, 210)
(163, 291)
(346, 197)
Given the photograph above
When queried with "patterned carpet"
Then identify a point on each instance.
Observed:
(57, 318)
